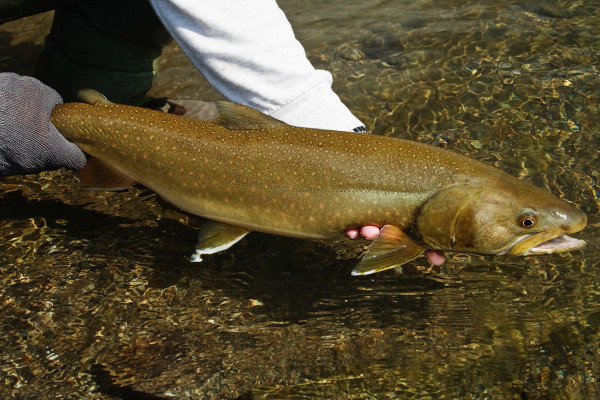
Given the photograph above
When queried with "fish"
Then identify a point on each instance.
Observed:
(246, 171)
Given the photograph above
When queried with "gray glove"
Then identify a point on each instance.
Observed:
(28, 141)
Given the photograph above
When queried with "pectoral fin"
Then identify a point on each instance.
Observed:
(390, 249)
(216, 236)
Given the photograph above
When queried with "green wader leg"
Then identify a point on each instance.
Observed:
(108, 45)
(16, 9)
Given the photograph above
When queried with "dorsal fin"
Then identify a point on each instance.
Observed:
(237, 116)
(92, 96)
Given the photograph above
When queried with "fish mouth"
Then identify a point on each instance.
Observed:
(549, 242)
(557, 245)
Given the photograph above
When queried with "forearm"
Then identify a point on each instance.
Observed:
(248, 52)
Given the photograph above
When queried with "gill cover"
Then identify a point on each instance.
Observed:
(472, 216)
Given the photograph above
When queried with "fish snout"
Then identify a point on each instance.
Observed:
(575, 221)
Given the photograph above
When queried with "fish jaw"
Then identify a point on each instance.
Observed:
(559, 244)
(547, 242)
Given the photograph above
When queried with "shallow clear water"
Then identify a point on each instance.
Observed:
(97, 297)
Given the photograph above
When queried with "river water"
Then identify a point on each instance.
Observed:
(98, 299)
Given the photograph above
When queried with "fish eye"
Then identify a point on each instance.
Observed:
(527, 220)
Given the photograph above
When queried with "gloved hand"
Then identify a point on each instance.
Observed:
(28, 141)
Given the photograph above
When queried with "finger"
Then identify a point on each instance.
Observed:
(435, 257)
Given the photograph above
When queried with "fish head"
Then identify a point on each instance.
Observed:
(506, 217)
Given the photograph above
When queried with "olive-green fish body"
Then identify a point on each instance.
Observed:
(293, 181)
(310, 183)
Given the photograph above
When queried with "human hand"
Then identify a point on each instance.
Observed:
(28, 141)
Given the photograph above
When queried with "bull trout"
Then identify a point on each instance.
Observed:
(249, 172)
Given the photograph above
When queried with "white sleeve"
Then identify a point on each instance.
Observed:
(248, 52)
